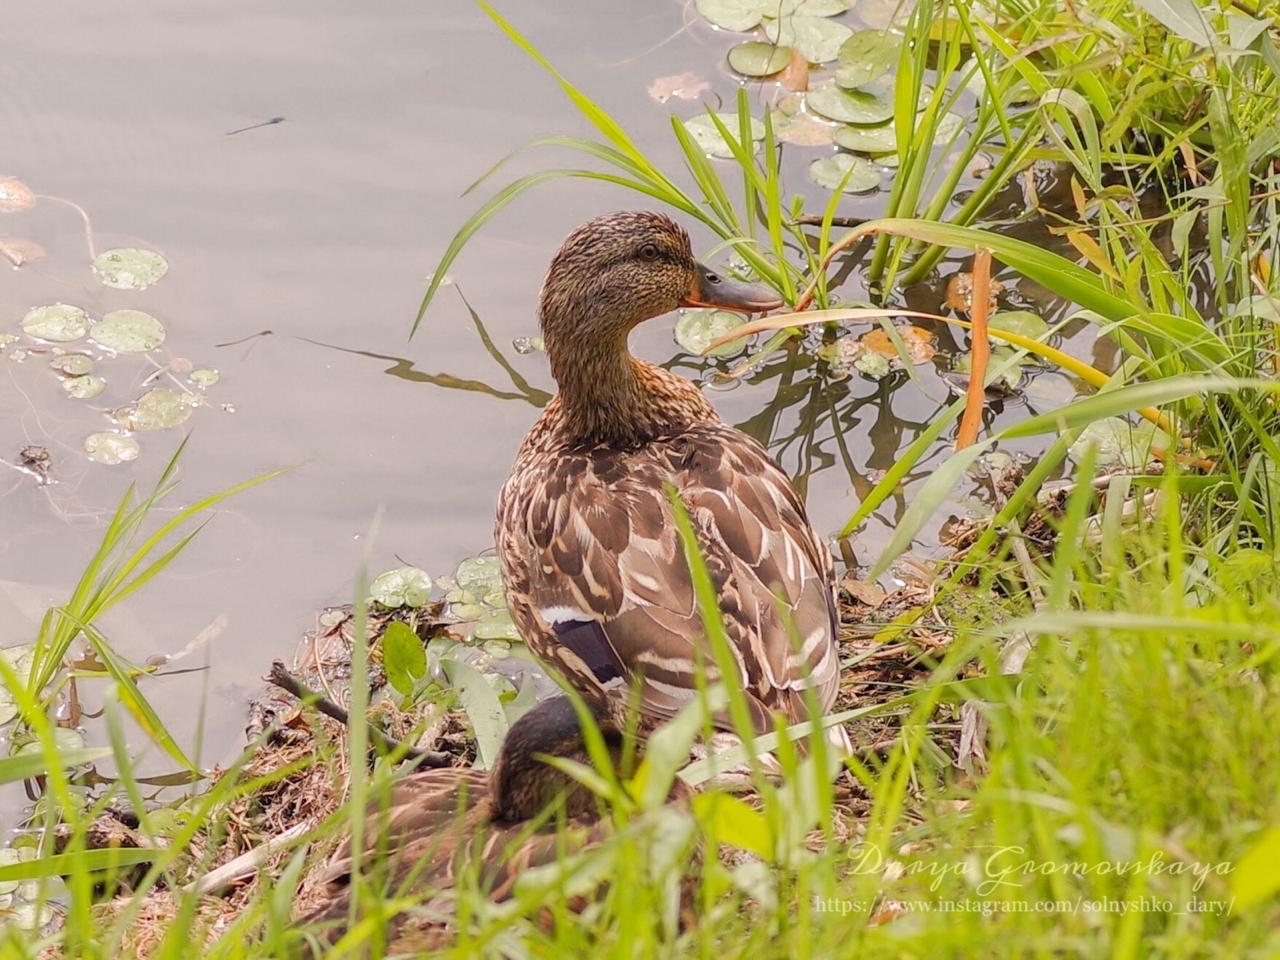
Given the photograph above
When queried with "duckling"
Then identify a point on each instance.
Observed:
(596, 578)
(439, 824)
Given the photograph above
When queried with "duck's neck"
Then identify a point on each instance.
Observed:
(607, 396)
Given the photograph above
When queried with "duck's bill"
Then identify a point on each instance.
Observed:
(714, 290)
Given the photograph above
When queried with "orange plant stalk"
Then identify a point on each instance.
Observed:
(979, 350)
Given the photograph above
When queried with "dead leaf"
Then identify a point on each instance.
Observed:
(919, 343)
(959, 295)
(682, 86)
(18, 250)
(887, 911)
(868, 594)
(804, 130)
(15, 195)
(796, 75)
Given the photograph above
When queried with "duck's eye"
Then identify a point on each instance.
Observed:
(649, 252)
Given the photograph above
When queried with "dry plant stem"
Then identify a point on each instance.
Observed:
(88, 226)
(247, 864)
(979, 351)
(282, 678)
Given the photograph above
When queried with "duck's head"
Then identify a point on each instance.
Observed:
(522, 783)
(620, 269)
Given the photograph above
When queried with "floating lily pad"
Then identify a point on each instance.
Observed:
(852, 106)
(479, 574)
(756, 59)
(128, 331)
(1121, 443)
(6, 339)
(204, 378)
(849, 354)
(844, 171)
(949, 124)
(803, 129)
(129, 268)
(72, 364)
(698, 329)
(497, 625)
(157, 409)
(867, 55)
(736, 15)
(85, 387)
(813, 8)
(1006, 383)
(1022, 322)
(401, 587)
(878, 139)
(15, 195)
(110, 448)
(57, 322)
(818, 38)
(705, 133)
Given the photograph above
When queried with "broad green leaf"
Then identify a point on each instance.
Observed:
(852, 106)
(110, 448)
(697, 329)
(84, 388)
(56, 322)
(817, 38)
(708, 136)
(867, 55)
(35, 763)
(129, 268)
(730, 820)
(756, 59)
(1183, 18)
(128, 331)
(736, 15)
(484, 709)
(844, 171)
(157, 409)
(878, 139)
(1255, 877)
(403, 657)
(401, 587)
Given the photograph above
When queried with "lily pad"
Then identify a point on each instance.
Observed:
(110, 448)
(85, 387)
(918, 341)
(401, 587)
(736, 15)
(128, 331)
(129, 268)
(72, 364)
(1022, 322)
(698, 329)
(815, 8)
(867, 55)
(1121, 443)
(479, 574)
(878, 139)
(204, 378)
(497, 625)
(704, 131)
(1006, 383)
(844, 171)
(803, 129)
(818, 38)
(949, 124)
(57, 322)
(852, 106)
(756, 59)
(15, 195)
(157, 409)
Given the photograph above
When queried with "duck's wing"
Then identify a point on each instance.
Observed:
(598, 584)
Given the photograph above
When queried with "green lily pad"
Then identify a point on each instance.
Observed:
(707, 136)
(85, 387)
(867, 55)
(128, 331)
(479, 574)
(844, 171)
(698, 329)
(401, 587)
(497, 625)
(815, 8)
(57, 322)
(737, 15)
(851, 106)
(756, 59)
(949, 124)
(110, 448)
(72, 364)
(1121, 443)
(878, 139)
(817, 38)
(1001, 354)
(157, 409)
(129, 268)
(204, 378)
(1022, 322)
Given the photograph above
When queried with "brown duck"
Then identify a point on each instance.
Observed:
(441, 824)
(596, 579)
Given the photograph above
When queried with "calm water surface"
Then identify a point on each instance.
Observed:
(298, 253)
